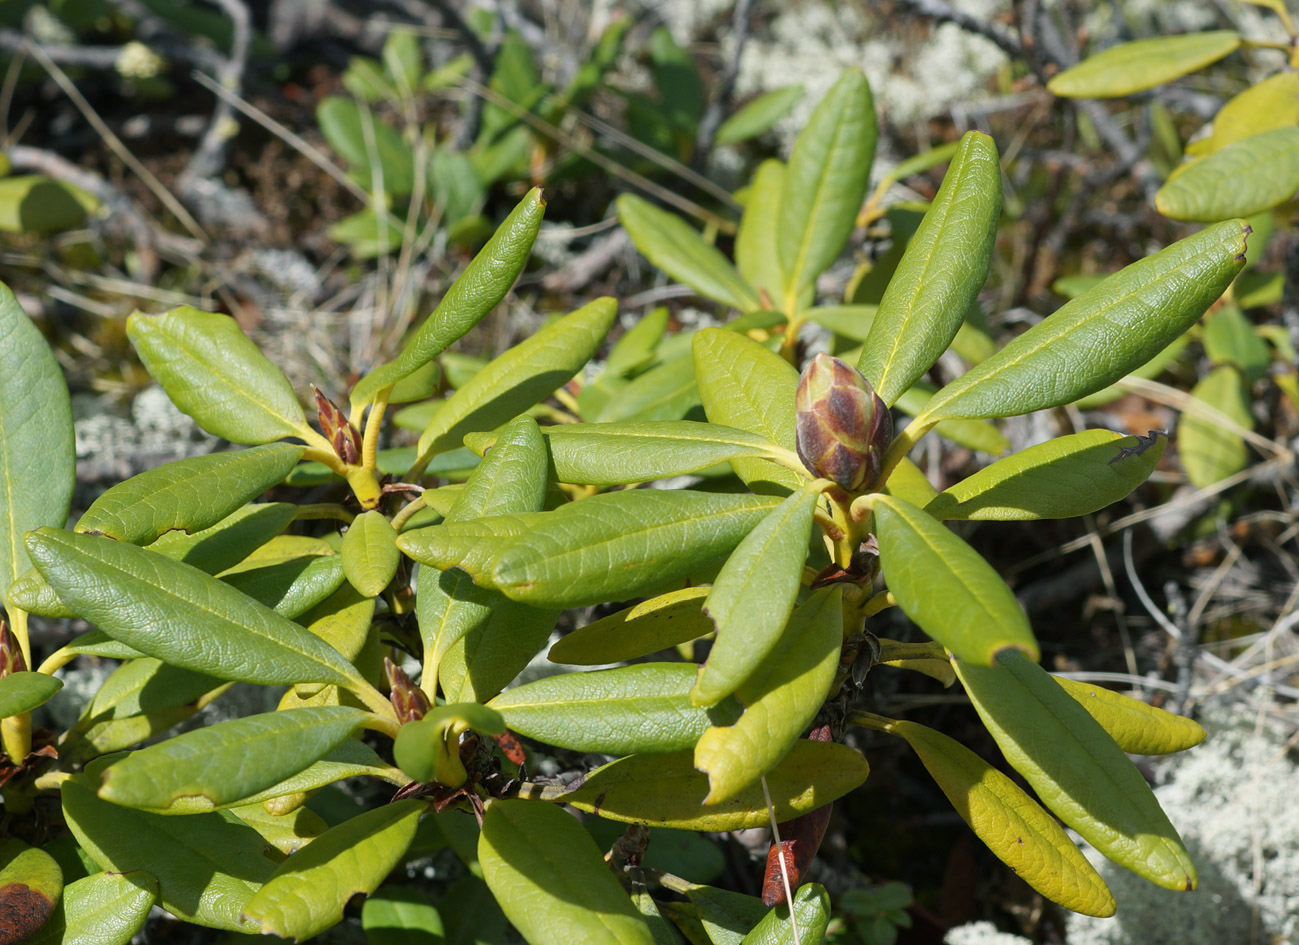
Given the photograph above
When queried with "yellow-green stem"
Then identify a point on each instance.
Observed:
(891, 650)
(881, 601)
(326, 457)
(870, 720)
(373, 424)
(904, 442)
(401, 518)
(318, 510)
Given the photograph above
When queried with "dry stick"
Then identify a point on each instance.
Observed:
(209, 157)
(721, 103)
(945, 13)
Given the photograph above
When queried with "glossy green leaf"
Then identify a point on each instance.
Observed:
(753, 595)
(1103, 334)
(180, 615)
(825, 183)
(666, 391)
(1230, 338)
(478, 290)
(1137, 727)
(100, 909)
(215, 373)
(308, 891)
(525, 374)
(811, 915)
(370, 555)
(377, 154)
(940, 275)
(1134, 67)
(31, 883)
(22, 692)
(653, 625)
(972, 434)
(743, 385)
(490, 655)
(208, 865)
(427, 749)
(666, 790)
(1209, 440)
(342, 620)
(635, 349)
(37, 460)
(946, 587)
(1265, 106)
(1150, 370)
(1244, 178)
(1022, 835)
(230, 540)
(32, 593)
(1076, 768)
(1062, 478)
(726, 917)
(781, 698)
(188, 495)
(293, 587)
(401, 915)
(850, 321)
(219, 764)
(98, 643)
(756, 116)
(289, 832)
(757, 249)
(551, 880)
(146, 685)
(645, 707)
(351, 759)
(608, 547)
(674, 246)
(470, 546)
(908, 481)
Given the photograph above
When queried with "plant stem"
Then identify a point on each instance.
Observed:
(870, 720)
(326, 457)
(373, 423)
(401, 518)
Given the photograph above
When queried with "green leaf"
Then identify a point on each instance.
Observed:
(487, 658)
(403, 60)
(368, 233)
(374, 150)
(289, 832)
(427, 749)
(727, 916)
(1062, 478)
(757, 252)
(370, 555)
(180, 615)
(1209, 440)
(1270, 104)
(908, 482)
(1150, 370)
(753, 595)
(22, 692)
(220, 764)
(850, 321)
(940, 275)
(743, 385)
(33, 203)
(680, 89)
(229, 541)
(32, 593)
(1076, 768)
(308, 891)
(1230, 338)
(1243, 178)
(188, 495)
(101, 909)
(293, 587)
(524, 375)
(551, 880)
(1137, 728)
(1134, 67)
(635, 349)
(1103, 334)
(759, 114)
(37, 460)
(214, 373)
(645, 707)
(651, 626)
(781, 698)
(98, 643)
(972, 434)
(825, 184)
(808, 923)
(667, 791)
(208, 865)
(666, 391)
(351, 759)
(608, 547)
(401, 915)
(674, 246)
(477, 291)
(1022, 835)
(30, 885)
(946, 587)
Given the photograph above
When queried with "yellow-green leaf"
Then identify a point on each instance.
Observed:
(1241, 179)
(1134, 67)
(1137, 727)
(1272, 103)
(100, 909)
(30, 886)
(648, 627)
(757, 253)
(1209, 439)
(370, 555)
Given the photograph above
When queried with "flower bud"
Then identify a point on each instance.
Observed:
(408, 700)
(11, 654)
(334, 424)
(842, 428)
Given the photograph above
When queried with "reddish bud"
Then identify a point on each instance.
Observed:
(842, 428)
(408, 700)
(337, 428)
(11, 654)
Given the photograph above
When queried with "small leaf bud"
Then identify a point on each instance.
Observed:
(408, 700)
(11, 654)
(337, 429)
(842, 428)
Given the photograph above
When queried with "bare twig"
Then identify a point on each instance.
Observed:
(945, 13)
(721, 102)
(209, 157)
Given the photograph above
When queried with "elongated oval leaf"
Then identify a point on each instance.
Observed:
(551, 880)
(1103, 334)
(223, 763)
(519, 378)
(940, 275)
(370, 555)
(1270, 104)
(100, 909)
(1134, 67)
(673, 245)
(1076, 768)
(180, 615)
(1242, 179)
(188, 495)
(656, 624)
(30, 885)
(757, 252)
(753, 595)
(946, 587)
(666, 790)
(756, 116)
(22, 692)
(1230, 337)
(351, 759)
(781, 698)
(375, 150)
(289, 832)
(214, 373)
(1209, 440)
(145, 685)
(972, 434)
(229, 541)
(667, 391)
(293, 587)
(743, 385)
(811, 915)
(308, 891)
(477, 291)
(401, 915)
(1137, 727)
(645, 707)
(489, 656)
(208, 865)
(37, 459)
(850, 321)
(825, 183)
(1022, 835)
(1061, 478)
